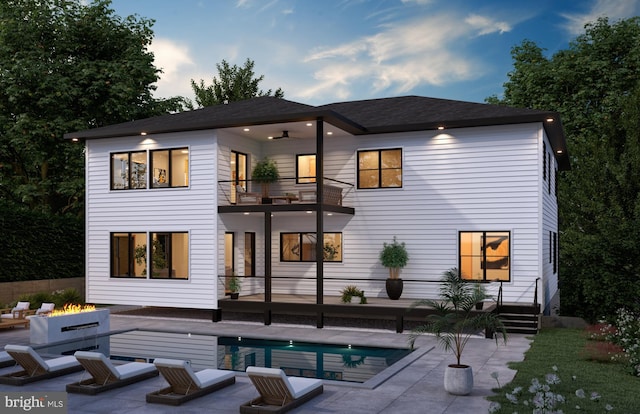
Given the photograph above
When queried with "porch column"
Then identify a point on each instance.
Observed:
(319, 219)
(267, 266)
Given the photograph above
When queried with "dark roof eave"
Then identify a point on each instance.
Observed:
(137, 127)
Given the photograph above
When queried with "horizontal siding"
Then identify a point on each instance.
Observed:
(153, 210)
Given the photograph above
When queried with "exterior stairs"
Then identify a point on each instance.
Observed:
(520, 318)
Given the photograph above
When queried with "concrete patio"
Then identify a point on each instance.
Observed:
(416, 387)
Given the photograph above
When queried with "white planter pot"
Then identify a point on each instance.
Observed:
(458, 379)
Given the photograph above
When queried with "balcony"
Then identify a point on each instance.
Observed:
(284, 195)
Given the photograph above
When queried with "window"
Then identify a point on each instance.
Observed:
(170, 168)
(306, 168)
(170, 256)
(128, 255)
(555, 252)
(301, 247)
(128, 170)
(380, 168)
(544, 161)
(549, 164)
(238, 168)
(249, 254)
(485, 255)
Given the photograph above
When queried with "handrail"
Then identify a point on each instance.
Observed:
(499, 301)
(535, 294)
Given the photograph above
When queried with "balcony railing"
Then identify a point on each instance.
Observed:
(284, 191)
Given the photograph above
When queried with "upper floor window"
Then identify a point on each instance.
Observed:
(380, 168)
(485, 255)
(306, 168)
(301, 247)
(170, 168)
(128, 170)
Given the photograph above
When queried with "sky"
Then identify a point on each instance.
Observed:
(325, 51)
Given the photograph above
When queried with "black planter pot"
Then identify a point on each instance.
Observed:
(479, 305)
(394, 288)
(235, 295)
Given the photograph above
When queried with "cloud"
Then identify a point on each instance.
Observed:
(172, 58)
(614, 10)
(399, 57)
(485, 25)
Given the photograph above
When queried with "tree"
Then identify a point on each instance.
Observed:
(66, 66)
(233, 84)
(594, 86)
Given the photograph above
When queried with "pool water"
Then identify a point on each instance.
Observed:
(325, 361)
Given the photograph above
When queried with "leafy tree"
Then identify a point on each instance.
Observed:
(234, 83)
(66, 66)
(594, 85)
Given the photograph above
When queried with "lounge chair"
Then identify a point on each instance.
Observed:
(185, 384)
(35, 368)
(20, 311)
(6, 360)
(279, 393)
(106, 376)
(45, 309)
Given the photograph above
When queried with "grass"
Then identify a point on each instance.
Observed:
(565, 349)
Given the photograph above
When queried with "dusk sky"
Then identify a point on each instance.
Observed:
(340, 50)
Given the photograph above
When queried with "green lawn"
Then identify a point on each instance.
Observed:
(564, 349)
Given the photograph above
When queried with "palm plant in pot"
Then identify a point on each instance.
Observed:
(454, 322)
(234, 286)
(265, 172)
(394, 256)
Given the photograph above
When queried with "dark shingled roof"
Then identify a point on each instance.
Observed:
(373, 116)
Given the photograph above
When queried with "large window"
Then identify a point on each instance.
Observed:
(301, 247)
(128, 170)
(128, 254)
(306, 168)
(380, 168)
(170, 168)
(239, 170)
(485, 255)
(169, 255)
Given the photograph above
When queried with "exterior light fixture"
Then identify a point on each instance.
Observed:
(309, 124)
(143, 133)
(246, 130)
(550, 119)
(74, 139)
(559, 152)
(440, 127)
(329, 133)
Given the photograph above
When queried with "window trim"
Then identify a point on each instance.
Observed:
(131, 252)
(380, 169)
(484, 255)
(300, 237)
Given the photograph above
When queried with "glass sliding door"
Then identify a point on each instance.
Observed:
(238, 174)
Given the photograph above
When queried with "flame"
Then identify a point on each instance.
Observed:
(70, 308)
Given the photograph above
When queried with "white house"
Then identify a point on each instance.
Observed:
(172, 211)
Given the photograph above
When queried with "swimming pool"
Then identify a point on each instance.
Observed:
(355, 364)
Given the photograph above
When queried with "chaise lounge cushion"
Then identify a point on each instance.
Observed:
(202, 379)
(297, 386)
(55, 364)
(120, 372)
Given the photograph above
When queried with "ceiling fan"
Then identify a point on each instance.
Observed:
(285, 134)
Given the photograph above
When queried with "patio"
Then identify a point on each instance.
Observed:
(413, 388)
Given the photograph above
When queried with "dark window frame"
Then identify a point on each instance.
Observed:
(169, 166)
(483, 265)
(309, 179)
(131, 255)
(380, 151)
(129, 169)
(301, 242)
(252, 243)
(168, 253)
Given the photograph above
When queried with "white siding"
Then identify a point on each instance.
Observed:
(191, 210)
(548, 287)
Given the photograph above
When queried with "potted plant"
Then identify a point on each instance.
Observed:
(265, 172)
(453, 323)
(394, 256)
(480, 288)
(351, 292)
(234, 286)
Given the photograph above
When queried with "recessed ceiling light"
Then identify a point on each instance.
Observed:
(143, 133)
(269, 137)
(559, 151)
(246, 130)
(441, 127)
(329, 133)
(74, 139)
(309, 124)
(549, 119)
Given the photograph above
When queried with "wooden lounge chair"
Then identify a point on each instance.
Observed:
(35, 368)
(185, 384)
(279, 393)
(106, 376)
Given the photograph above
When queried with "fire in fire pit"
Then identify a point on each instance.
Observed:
(70, 308)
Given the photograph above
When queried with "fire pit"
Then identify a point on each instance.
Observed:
(71, 322)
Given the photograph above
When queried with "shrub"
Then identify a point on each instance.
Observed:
(627, 336)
